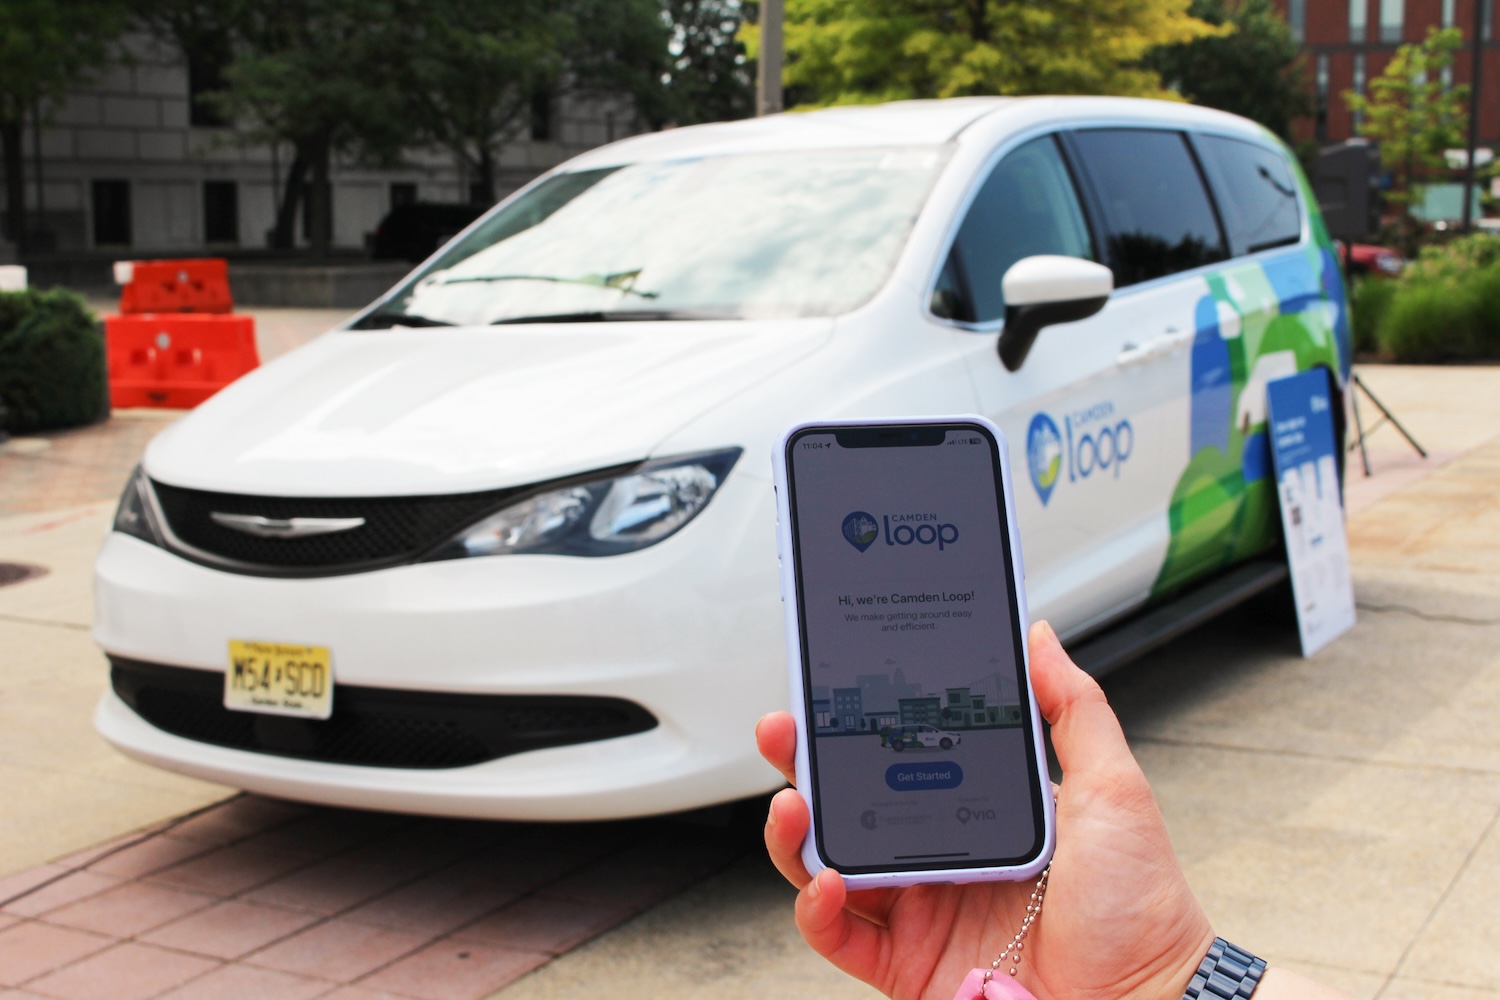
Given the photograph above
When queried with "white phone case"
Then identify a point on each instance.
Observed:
(795, 667)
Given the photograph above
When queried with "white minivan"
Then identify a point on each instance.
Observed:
(503, 545)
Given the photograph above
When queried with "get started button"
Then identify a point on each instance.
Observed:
(924, 777)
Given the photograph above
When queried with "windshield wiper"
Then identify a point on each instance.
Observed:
(620, 281)
(385, 319)
(618, 316)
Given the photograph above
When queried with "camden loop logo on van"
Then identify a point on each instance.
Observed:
(1094, 439)
(860, 530)
(1044, 455)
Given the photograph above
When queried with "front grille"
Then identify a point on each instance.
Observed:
(375, 727)
(396, 529)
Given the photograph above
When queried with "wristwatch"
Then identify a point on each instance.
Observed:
(1224, 973)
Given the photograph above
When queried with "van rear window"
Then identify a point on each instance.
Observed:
(1156, 212)
(1256, 192)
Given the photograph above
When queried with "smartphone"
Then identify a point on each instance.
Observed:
(919, 743)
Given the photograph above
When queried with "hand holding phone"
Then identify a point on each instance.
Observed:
(1119, 914)
(919, 748)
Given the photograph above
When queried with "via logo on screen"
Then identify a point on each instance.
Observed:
(861, 530)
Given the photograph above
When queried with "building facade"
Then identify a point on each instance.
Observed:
(130, 162)
(1349, 42)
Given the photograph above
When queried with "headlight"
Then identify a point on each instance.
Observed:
(1389, 263)
(135, 516)
(601, 517)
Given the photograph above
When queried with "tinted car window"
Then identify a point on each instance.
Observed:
(1256, 194)
(1027, 206)
(1156, 212)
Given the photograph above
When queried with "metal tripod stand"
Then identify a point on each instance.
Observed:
(1386, 417)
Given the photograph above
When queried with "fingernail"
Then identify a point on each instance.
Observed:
(813, 889)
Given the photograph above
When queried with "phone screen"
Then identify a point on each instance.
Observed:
(921, 745)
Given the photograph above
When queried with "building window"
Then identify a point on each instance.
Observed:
(403, 193)
(1296, 18)
(1448, 12)
(206, 60)
(111, 206)
(1321, 97)
(221, 212)
(1487, 20)
(541, 116)
(1392, 16)
(1359, 86)
(1357, 20)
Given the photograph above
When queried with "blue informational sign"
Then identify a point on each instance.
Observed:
(1304, 450)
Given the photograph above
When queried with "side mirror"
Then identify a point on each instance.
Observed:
(1047, 289)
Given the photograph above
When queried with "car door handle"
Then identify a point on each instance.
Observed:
(1134, 354)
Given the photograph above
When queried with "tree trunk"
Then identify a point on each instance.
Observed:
(320, 202)
(284, 234)
(485, 185)
(15, 185)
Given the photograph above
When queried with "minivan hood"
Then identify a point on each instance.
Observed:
(433, 411)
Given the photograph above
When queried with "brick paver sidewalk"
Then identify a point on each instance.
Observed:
(256, 898)
(60, 469)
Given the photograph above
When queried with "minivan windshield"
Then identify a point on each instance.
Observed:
(751, 236)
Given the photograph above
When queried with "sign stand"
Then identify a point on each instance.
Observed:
(1386, 417)
(1305, 454)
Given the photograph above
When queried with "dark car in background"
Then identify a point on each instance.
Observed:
(413, 231)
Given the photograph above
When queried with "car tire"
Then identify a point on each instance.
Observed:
(946, 743)
(898, 745)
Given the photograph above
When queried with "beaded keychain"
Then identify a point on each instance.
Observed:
(976, 986)
(1018, 942)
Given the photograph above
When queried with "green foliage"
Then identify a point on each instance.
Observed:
(1255, 71)
(865, 51)
(1444, 307)
(1369, 300)
(709, 78)
(45, 48)
(1458, 258)
(1411, 115)
(52, 368)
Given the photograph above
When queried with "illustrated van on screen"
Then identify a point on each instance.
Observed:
(914, 688)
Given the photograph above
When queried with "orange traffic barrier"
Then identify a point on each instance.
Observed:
(174, 286)
(176, 360)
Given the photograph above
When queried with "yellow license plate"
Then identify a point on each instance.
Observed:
(279, 679)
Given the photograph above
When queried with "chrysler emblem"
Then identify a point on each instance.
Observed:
(285, 527)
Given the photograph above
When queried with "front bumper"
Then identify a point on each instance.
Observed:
(689, 629)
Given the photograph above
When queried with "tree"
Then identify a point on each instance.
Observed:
(476, 73)
(709, 78)
(323, 76)
(1413, 116)
(1255, 71)
(45, 48)
(475, 70)
(863, 51)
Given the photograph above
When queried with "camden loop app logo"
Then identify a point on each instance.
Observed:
(860, 530)
(1044, 454)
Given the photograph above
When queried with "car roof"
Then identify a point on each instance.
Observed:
(905, 123)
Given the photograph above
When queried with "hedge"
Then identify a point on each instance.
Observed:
(52, 366)
(1445, 307)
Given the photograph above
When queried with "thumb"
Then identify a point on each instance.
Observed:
(1085, 732)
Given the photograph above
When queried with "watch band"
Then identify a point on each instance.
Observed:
(1224, 973)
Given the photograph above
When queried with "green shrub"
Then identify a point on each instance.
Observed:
(52, 367)
(1432, 321)
(1457, 258)
(1369, 301)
